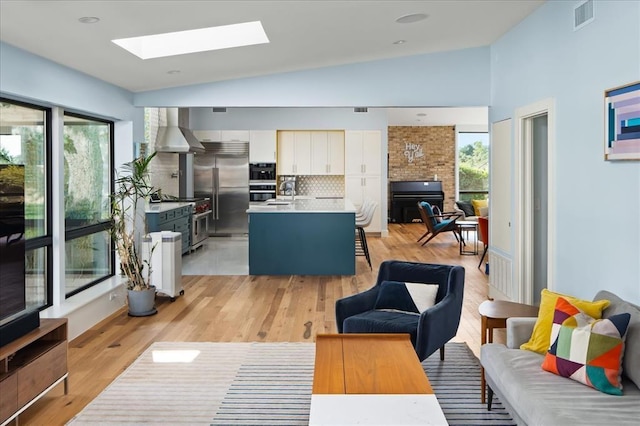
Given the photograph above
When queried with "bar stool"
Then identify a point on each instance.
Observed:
(362, 249)
(360, 211)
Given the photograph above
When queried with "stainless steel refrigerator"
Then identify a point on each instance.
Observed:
(221, 173)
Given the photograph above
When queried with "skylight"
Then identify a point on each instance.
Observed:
(191, 41)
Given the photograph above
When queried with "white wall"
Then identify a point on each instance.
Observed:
(30, 78)
(455, 78)
(598, 231)
(287, 119)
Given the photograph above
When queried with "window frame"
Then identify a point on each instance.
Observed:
(43, 241)
(94, 228)
(484, 194)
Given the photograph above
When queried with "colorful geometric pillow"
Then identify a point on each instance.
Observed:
(406, 297)
(587, 350)
(540, 337)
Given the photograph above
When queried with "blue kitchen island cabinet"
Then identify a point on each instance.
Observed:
(303, 237)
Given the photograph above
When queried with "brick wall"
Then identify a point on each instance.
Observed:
(433, 151)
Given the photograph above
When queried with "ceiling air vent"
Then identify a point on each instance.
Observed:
(221, 109)
(582, 14)
(360, 109)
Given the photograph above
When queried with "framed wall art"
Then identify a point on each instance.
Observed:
(622, 122)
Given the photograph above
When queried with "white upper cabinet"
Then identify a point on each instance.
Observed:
(363, 152)
(286, 153)
(208, 135)
(335, 142)
(294, 153)
(327, 153)
(234, 135)
(262, 146)
(319, 153)
(222, 135)
(303, 153)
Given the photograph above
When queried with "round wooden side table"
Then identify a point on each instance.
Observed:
(494, 314)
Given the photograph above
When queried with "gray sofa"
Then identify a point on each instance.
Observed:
(536, 397)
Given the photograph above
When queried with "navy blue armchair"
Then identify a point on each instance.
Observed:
(429, 330)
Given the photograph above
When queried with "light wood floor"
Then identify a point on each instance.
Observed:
(246, 308)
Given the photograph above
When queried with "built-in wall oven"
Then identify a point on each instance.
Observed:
(262, 181)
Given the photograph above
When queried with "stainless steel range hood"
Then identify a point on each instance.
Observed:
(176, 138)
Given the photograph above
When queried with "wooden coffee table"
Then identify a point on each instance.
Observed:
(371, 378)
(494, 314)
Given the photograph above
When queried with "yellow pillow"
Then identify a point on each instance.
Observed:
(541, 335)
(478, 204)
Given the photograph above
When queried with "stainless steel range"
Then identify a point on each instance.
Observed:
(200, 222)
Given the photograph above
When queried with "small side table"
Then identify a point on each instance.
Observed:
(468, 225)
(494, 314)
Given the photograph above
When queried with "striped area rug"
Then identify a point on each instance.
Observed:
(456, 383)
(248, 384)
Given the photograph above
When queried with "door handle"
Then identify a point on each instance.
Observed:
(216, 186)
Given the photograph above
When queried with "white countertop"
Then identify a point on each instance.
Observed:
(305, 206)
(163, 207)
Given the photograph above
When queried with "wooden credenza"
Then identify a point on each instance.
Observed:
(31, 366)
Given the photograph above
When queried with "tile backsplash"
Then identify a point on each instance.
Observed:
(163, 173)
(320, 186)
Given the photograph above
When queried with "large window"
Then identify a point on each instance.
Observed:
(25, 138)
(88, 166)
(473, 166)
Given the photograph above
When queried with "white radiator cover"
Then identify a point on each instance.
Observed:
(500, 278)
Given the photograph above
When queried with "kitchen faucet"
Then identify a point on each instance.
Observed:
(288, 185)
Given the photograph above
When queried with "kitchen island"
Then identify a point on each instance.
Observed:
(302, 237)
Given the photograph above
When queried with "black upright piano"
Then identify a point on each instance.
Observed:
(405, 196)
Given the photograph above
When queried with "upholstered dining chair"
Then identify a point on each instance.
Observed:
(437, 223)
(421, 299)
(483, 230)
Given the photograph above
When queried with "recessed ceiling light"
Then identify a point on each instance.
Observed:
(414, 17)
(191, 41)
(400, 42)
(89, 19)
(173, 72)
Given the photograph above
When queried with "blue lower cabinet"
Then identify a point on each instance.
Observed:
(176, 220)
(302, 244)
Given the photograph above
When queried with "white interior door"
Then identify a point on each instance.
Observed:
(500, 185)
(539, 139)
(535, 199)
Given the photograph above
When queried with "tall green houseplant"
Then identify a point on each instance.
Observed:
(132, 188)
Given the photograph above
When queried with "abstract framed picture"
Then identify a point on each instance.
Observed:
(622, 122)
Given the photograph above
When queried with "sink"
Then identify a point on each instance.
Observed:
(278, 203)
